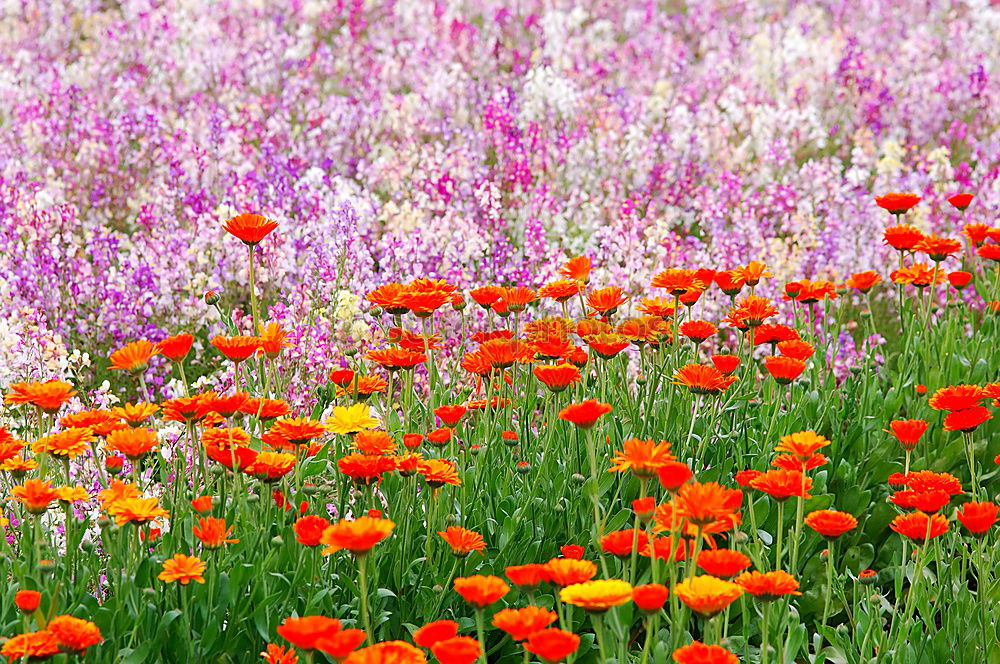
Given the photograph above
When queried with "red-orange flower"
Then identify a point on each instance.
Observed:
(73, 634)
(917, 526)
(908, 432)
(27, 601)
(175, 348)
(396, 652)
(896, 203)
(707, 595)
(831, 524)
(557, 377)
(782, 484)
(606, 301)
(938, 248)
(863, 281)
(957, 397)
(305, 633)
(723, 563)
(642, 457)
(701, 504)
(726, 364)
(650, 597)
(698, 330)
(784, 369)
(213, 533)
(527, 577)
(978, 518)
(702, 379)
(309, 530)
(184, 569)
(967, 420)
(340, 644)
(250, 228)
(569, 571)
(358, 536)
(577, 268)
(133, 357)
(132, 443)
(585, 414)
(481, 591)
(35, 495)
(457, 650)
(463, 541)
(433, 632)
(30, 646)
(902, 238)
(802, 444)
(237, 348)
(960, 201)
(769, 585)
(552, 645)
(521, 624)
(699, 653)
(678, 282)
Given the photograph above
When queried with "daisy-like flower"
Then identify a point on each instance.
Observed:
(351, 419)
(552, 645)
(585, 414)
(702, 504)
(137, 510)
(960, 201)
(175, 348)
(358, 536)
(577, 269)
(35, 495)
(133, 357)
(641, 457)
(438, 473)
(481, 591)
(597, 596)
(902, 238)
(132, 443)
(802, 444)
(520, 624)
(182, 569)
(569, 571)
(768, 586)
(49, 396)
(707, 595)
(606, 301)
(250, 229)
(135, 414)
(74, 635)
(919, 527)
(557, 377)
(831, 524)
(703, 379)
(938, 248)
(896, 203)
(238, 348)
(463, 541)
(863, 281)
(723, 563)
(213, 533)
(957, 397)
(699, 653)
(978, 518)
(782, 484)
(784, 370)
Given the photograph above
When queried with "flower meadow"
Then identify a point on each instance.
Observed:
(464, 333)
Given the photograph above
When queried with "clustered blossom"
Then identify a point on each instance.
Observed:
(752, 134)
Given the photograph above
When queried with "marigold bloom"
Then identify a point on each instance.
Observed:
(990, 252)
(74, 635)
(967, 420)
(938, 248)
(726, 364)
(678, 282)
(132, 443)
(481, 591)
(49, 396)
(673, 475)
(902, 238)
(136, 510)
(457, 650)
(702, 504)
(520, 624)
(641, 457)
(569, 571)
(864, 281)
(897, 203)
(236, 349)
(72, 494)
(619, 542)
(527, 577)
(463, 541)
(70, 443)
(768, 586)
(560, 291)
(557, 377)
(439, 437)
(134, 414)
(309, 530)
(796, 349)
(782, 484)
(574, 551)
(183, 569)
(707, 595)
(723, 563)
(831, 524)
(960, 201)
(389, 297)
(30, 646)
(133, 357)
(606, 301)
(926, 480)
(552, 645)
(597, 596)
(576, 268)
(175, 348)
(959, 279)
(341, 644)
(35, 495)
(606, 346)
(275, 654)
(433, 632)
(396, 652)
(306, 632)
(651, 597)
(27, 601)
(585, 414)
(915, 526)
(815, 291)
(802, 444)
(908, 432)
(202, 505)
(702, 379)
(102, 422)
(784, 369)
(358, 536)
(249, 228)
(117, 491)
(439, 472)
(699, 653)
(351, 419)
(977, 518)
(213, 533)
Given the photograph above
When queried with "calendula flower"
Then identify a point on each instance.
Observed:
(305, 633)
(802, 445)
(73, 634)
(702, 379)
(439, 472)
(557, 377)
(183, 569)
(707, 595)
(650, 597)
(896, 203)
(702, 504)
(831, 524)
(520, 624)
(133, 357)
(597, 596)
(351, 419)
(236, 349)
(31, 646)
(250, 229)
(960, 201)
(68, 444)
(641, 457)
(35, 495)
(967, 420)
(957, 397)
(49, 396)
(569, 571)
(463, 541)
(136, 510)
(863, 281)
(619, 542)
(132, 443)
(275, 654)
(726, 364)
(135, 414)
(918, 526)
(723, 563)
(481, 591)
(782, 484)
(527, 577)
(175, 348)
(700, 653)
(784, 369)
(27, 601)
(908, 432)
(397, 652)
(678, 282)
(552, 645)
(977, 518)
(605, 301)
(768, 586)
(577, 269)
(358, 536)
(213, 533)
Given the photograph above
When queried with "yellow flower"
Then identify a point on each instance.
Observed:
(351, 420)
(597, 596)
(707, 595)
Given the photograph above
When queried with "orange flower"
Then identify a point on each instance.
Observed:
(527, 577)
(396, 652)
(238, 348)
(49, 396)
(133, 357)
(701, 504)
(957, 397)
(831, 524)
(918, 526)
(69, 444)
(577, 268)
(520, 624)
(753, 310)
(306, 632)
(552, 645)
(202, 504)
(486, 295)
(391, 297)
(557, 377)
(518, 298)
(650, 597)
(27, 601)
(134, 414)
(619, 542)
(136, 510)
(585, 414)
(960, 201)
(802, 444)
(752, 273)
(768, 586)
(213, 533)
(35, 495)
(560, 291)
(568, 571)
(678, 282)
(463, 541)
(457, 650)
(394, 359)
(967, 420)
(977, 518)
(433, 632)
(797, 349)
(729, 282)
(358, 536)
(175, 348)
(657, 307)
(642, 457)
(896, 203)
(707, 595)
(439, 472)
(72, 494)
(698, 330)
(275, 654)
(784, 369)
(783, 484)
(606, 301)
(864, 281)
(607, 346)
(184, 409)
(184, 569)
(726, 364)
(481, 591)
(959, 279)
(31, 646)
(703, 379)
(673, 475)
(908, 432)
(309, 530)
(74, 635)
(132, 443)
(249, 228)
(117, 491)
(938, 248)
(723, 563)
(273, 339)
(102, 422)
(699, 653)
(597, 596)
